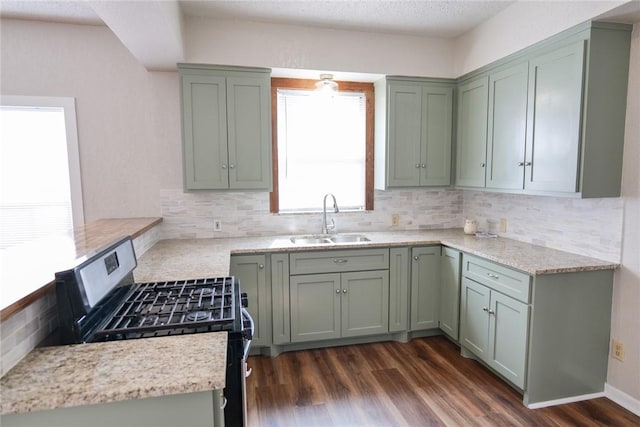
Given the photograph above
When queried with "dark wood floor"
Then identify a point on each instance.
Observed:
(422, 383)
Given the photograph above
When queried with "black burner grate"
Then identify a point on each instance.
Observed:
(160, 306)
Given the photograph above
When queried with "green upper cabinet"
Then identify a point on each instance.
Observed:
(555, 116)
(226, 127)
(553, 142)
(507, 127)
(471, 154)
(413, 133)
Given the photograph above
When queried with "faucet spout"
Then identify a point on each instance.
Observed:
(325, 226)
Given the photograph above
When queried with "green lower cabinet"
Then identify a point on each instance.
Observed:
(425, 287)
(494, 327)
(365, 303)
(399, 260)
(334, 305)
(280, 304)
(251, 271)
(450, 291)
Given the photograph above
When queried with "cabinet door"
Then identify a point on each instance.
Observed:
(404, 135)
(553, 137)
(398, 289)
(450, 291)
(474, 317)
(249, 124)
(508, 326)
(365, 303)
(251, 272)
(471, 150)
(425, 287)
(315, 307)
(280, 298)
(204, 132)
(435, 155)
(507, 129)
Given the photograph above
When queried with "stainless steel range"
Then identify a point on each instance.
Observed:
(99, 301)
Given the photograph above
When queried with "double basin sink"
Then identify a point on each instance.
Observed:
(328, 239)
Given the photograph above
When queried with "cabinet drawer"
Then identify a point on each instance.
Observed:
(331, 261)
(503, 279)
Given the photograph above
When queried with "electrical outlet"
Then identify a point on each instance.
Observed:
(217, 225)
(395, 220)
(617, 350)
(503, 225)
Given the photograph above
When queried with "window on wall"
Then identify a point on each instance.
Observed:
(322, 144)
(40, 191)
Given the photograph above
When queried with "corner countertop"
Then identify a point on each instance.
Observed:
(57, 253)
(84, 374)
(197, 258)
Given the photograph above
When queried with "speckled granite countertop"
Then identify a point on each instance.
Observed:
(196, 258)
(84, 374)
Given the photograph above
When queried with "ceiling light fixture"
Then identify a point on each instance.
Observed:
(326, 84)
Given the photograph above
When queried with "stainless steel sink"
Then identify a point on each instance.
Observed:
(310, 240)
(349, 238)
(329, 239)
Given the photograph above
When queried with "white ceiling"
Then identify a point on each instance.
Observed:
(151, 29)
(422, 17)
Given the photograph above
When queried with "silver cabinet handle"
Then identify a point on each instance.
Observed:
(492, 312)
(224, 402)
(481, 165)
(248, 372)
(337, 291)
(224, 166)
(416, 258)
(527, 163)
(231, 166)
(417, 165)
(493, 276)
(423, 166)
(520, 163)
(260, 266)
(344, 291)
(485, 309)
(340, 260)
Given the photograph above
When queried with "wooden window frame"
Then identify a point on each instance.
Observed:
(305, 84)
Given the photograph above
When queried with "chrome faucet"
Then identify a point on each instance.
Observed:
(327, 227)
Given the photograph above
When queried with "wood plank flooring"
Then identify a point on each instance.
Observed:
(421, 383)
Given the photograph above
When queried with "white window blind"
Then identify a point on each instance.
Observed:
(321, 149)
(36, 188)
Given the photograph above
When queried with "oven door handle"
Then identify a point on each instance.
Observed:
(247, 342)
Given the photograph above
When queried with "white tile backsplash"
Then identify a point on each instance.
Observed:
(191, 215)
(590, 227)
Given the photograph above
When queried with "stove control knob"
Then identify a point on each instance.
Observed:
(244, 299)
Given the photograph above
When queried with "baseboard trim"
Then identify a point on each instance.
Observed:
(623, 399)
(571, 399)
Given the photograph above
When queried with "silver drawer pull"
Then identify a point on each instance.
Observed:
(492, 312)
(344, 291)
(340, 260)
(249, 371)
(224, 402)
(493, 276)
(337, 291)
(485, 309)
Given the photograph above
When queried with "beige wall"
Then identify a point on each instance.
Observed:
(625, 319)
(288, 46)
(128, 118)
(520, 25)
